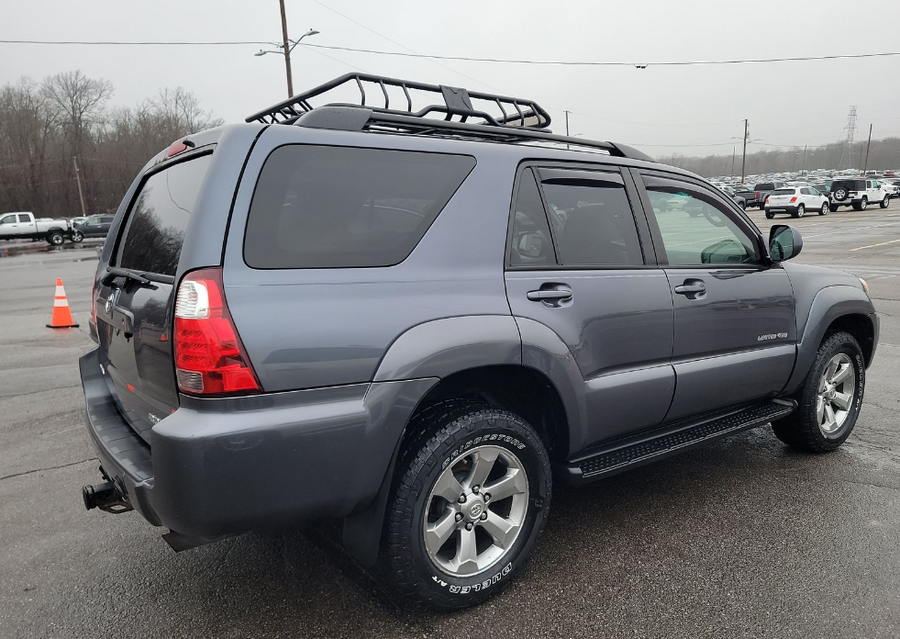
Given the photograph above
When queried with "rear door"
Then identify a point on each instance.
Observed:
(735, 331)
(576, 264)
(134, 303)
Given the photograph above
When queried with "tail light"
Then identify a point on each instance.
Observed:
(767, 201)
(757, 196)
(793, 199)
(94, 302)
(209, 356)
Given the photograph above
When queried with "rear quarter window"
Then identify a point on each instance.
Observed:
(340, 207)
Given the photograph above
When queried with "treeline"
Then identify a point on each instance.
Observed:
(883, 154)
(48, 128)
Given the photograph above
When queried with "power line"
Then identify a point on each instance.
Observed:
(583, 63)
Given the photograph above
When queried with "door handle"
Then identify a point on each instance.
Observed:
(550, 295)
(692, 289)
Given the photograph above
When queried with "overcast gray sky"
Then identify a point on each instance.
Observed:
(791, 103)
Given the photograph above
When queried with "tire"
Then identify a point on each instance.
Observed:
(77, 236)
(743, 205)
(833, 208)
(770, 215)
(864, 203)
(453, 434)
(803, 429)
(840, 193)
(823, 210)
(886, 202)
(801, 211)
(55, 238)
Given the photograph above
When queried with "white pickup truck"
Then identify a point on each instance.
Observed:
(23, 226)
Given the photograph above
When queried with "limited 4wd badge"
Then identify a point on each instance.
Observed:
(768, 336)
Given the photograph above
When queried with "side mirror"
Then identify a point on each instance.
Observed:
(785, 243)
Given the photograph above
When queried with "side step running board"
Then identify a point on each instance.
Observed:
(648, 447)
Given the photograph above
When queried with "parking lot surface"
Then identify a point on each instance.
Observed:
(739, 538)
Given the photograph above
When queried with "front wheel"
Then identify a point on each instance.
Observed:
(830, 399)
(469, 504)
(885, 202)
(77, 236)
(823, 210)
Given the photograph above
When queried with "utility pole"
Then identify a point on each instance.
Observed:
(287, 51)
(567, 127)
(803, 168)
(80, 192)
(868, 144)
(733, 152)
(744, 158)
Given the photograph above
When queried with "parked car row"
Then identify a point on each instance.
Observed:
(23, 225)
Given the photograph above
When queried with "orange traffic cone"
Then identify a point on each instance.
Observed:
(62, 316)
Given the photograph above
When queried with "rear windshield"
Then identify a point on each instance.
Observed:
(159, 216)
(783, 192)
(853, 185)
(765, 186)
(329, 207)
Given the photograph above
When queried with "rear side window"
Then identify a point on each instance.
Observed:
(159, 216)
(593, 223)
(332, 207)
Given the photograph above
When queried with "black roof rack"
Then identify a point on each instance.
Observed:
(498, 117)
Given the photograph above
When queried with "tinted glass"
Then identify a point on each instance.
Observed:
(327, 207)
(783, 192)
(24, 218)
(159, 216)
(530, 244)
(696, 230)
(593, 224)
(8, 219)
(765, 186)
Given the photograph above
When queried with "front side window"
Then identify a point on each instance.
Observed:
(592, 221)
(8, 219)
(695, 228)
(339, 207)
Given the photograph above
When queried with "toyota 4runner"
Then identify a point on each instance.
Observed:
(413, 321)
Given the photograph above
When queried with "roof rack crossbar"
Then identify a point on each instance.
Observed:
(457, 103)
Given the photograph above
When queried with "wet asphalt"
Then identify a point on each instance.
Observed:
(739, 538)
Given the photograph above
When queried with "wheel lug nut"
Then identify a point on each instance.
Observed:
(484, 515)
(469, 526)
(475, 489)
(462, 499)
(487, 496)
(459, 516)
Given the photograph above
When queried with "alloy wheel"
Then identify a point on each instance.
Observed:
(837, 388)
(475, 510)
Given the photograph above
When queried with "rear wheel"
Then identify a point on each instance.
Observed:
(824, 210)
(770, 215)
(55, 238)
(469, 504)
(886, 202)
(833, 208)
(829, 400)
(801, 211)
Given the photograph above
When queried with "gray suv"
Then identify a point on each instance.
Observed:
(412, 321)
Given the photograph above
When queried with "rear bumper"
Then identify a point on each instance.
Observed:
(781, 209)
(221, 466)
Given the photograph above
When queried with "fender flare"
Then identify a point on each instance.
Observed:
(441, 347)
(829, 304)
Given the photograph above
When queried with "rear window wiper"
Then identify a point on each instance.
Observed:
(141, 278)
